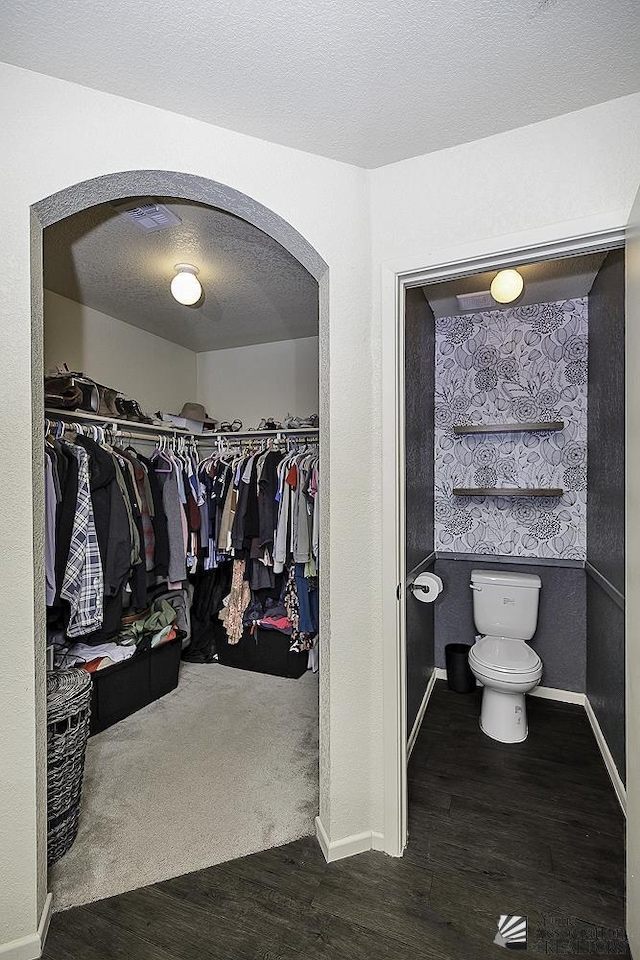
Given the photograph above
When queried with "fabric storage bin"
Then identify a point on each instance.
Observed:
(68, 710)
(126, 687)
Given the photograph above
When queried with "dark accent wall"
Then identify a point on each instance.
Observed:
(606, 503)
(560, 636)
(419, 374)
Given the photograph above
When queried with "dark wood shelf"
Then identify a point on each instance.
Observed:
(509, 427)
(507, 492)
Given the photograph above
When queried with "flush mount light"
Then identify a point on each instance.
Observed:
(506, 286)
(185, 286)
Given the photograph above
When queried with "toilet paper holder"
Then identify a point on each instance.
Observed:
(426, 587)
(422, 587)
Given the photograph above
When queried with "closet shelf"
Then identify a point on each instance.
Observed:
(155, 428)
(509, 427)
(507, 492)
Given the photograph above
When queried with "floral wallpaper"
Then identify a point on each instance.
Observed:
(518, 364)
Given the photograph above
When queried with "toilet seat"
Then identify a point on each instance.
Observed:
(505, 656)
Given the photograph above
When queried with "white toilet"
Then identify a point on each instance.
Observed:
(505, 612)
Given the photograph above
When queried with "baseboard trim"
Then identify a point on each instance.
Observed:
(609, 762)
(333, 850)
(415, 730)
(554, 693)
(30, 947)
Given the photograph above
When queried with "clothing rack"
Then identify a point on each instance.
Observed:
(210, 438)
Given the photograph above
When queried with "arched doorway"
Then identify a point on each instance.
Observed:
(121, 186)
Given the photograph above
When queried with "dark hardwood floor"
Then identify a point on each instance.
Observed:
(531, 829)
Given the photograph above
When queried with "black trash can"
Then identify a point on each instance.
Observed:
(459, 675)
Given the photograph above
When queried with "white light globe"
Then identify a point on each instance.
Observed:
(185, 286)
(506, 286)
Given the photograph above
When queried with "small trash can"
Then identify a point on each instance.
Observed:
(68, 713)
(459, 675)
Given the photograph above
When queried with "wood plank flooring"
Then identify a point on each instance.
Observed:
(532, 829)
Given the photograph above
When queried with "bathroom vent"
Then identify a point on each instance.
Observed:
(482, 300)
(149, 217)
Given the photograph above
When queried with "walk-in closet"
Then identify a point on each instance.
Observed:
(182, 543)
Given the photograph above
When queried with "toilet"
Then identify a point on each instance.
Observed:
(505, 612)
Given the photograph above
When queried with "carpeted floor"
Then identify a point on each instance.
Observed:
(224, 766)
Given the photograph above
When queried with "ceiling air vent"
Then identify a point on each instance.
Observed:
(149, 217)
(481, 300)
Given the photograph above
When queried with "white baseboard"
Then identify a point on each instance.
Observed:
(609, 762)
(554, 693)
(31, 946)
(548, 693)
(415, 730)
(348, 846)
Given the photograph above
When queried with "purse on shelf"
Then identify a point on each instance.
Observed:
(71, 391)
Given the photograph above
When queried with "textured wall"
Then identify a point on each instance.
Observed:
(320, 205)
(605, 509)
(560, 639)
(419, 386)
(266, 380)
(606, 505)
(522, 364)
(159, 374)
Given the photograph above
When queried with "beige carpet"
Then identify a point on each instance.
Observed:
(225, 765)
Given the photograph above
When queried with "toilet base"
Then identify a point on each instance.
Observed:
(504, 716)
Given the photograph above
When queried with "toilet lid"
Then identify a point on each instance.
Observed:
(501, 653)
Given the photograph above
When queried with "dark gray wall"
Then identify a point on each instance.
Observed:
(419, 372)
(605, 668)
(560, 637)
(605, 504)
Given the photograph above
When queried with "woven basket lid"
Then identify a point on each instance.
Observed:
(68, 692)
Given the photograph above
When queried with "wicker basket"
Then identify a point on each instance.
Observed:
(68, 712)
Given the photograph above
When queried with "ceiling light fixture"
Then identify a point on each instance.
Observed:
(506, 286)
(185, 286)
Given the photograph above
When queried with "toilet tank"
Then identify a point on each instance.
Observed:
(505, 604)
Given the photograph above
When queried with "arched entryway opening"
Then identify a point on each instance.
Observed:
(121, 186)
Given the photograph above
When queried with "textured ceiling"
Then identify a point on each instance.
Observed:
(254, 290)
(544, 282)
(364, 81)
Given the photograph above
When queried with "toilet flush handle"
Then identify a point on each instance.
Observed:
(474, 586)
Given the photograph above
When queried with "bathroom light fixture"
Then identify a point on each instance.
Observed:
(185, 286)
(506, 286)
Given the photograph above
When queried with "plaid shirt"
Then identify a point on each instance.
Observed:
(83, 583)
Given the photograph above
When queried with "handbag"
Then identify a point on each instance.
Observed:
(71, 391)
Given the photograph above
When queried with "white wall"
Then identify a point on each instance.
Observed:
(159, 374)
(538, 184)
(56, 134)
(266, 380)
(542, 182)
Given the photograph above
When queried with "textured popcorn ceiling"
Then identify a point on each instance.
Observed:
(360, 81)
(255, 291)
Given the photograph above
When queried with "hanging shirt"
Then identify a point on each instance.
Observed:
(50, 504)
(83, 583)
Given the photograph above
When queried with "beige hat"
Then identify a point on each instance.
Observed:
(196, 411)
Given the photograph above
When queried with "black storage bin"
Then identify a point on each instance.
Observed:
(265, 651)
(459, 675)
(120, 690)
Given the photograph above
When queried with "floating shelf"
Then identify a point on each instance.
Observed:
(507, 492)
(509, 427)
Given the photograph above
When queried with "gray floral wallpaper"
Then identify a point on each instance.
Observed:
(519, 364)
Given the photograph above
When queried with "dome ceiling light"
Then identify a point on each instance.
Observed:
(506, 286)
(185, 286)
